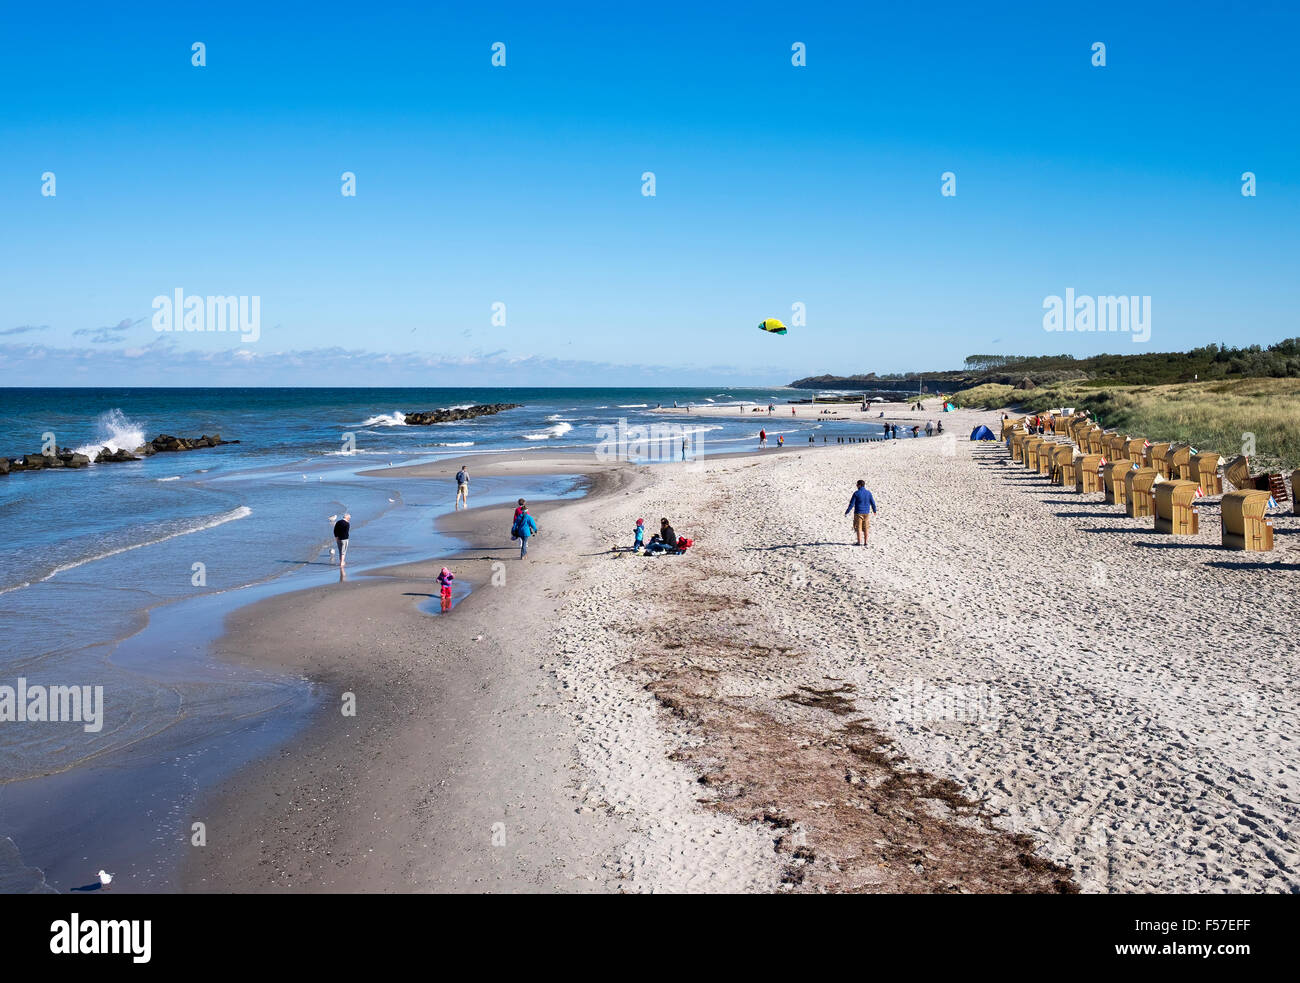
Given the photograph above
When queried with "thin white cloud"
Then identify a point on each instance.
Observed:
(166, 362)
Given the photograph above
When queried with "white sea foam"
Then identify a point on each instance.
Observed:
(116, 432)
(395, 419)
(192, 526)
(632, 406)
(456, 443)
(559, 430)
(686, 430)
(174, 477)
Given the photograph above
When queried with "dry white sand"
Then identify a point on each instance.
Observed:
(1124, 698)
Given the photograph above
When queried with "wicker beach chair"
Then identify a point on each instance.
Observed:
(1135, 449)
(1205, 472)
(1087, 473)
(1112, 480)
(1246, 525)
(1158, 457)
(1115, 447)
(1138, 502)
(1018, 439)
(1097, 441)
(1047, 457)
(1062, 465)
(1238, 473)
(1032, 443)
(1295, 494)
(1179, 462)
(1175, 507)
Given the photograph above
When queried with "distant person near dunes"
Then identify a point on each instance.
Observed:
(861, 504)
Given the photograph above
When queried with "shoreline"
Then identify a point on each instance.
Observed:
(423, 694)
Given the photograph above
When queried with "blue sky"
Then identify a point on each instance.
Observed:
(521, 185)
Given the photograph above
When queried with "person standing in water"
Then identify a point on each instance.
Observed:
(342, 529)
(762, 439)
(444, 581)
(462, 487)
(861, 504)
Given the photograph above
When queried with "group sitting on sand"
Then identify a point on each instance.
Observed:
(664, 541)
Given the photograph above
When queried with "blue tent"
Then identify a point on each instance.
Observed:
(982, 433)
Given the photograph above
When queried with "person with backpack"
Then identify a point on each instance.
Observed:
(524, 529)
(462, 487)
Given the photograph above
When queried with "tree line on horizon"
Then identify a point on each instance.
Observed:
(1213, 361)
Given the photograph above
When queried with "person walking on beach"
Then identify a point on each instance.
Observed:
(762, 439)
(861, 504)
(462, 487)
(524, 529)
(929, 428)
(342, 528)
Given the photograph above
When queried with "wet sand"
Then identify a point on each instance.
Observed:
(453, 775)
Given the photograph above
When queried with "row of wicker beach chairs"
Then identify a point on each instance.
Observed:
(1162, 481)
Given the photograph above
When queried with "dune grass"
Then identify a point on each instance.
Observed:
(1217, 415)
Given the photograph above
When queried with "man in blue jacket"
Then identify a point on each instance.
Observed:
(524, 528)
(861, 505)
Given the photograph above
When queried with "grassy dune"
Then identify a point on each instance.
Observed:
(1214, 415)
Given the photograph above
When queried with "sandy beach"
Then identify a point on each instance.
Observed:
(1012, 688)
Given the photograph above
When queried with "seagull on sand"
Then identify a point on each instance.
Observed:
(105, 879)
